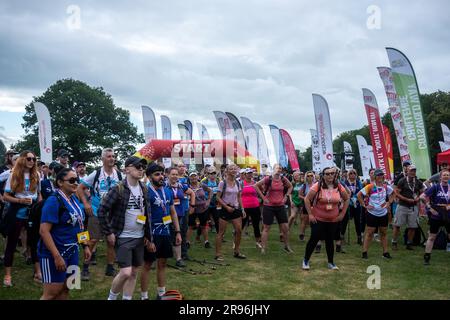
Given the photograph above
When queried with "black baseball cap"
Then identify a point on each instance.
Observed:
(406, 163)
(378, 172)
(62, 153)
(133, 160)
(153, 167)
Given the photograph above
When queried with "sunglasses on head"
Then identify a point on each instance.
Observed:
(73, 180)
(31, 159)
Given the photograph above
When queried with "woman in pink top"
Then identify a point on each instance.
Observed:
(323, 205)
(278, 189)
(250, 202)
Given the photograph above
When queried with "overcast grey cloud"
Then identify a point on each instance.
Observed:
(260, 59)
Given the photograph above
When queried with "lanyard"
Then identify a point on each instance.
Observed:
(75, 209)
(163, 204)
(409, 186)
(328, 194)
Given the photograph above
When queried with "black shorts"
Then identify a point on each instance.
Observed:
(270, 212)
(436, 224)
(163, 249)
(203, 217)
(374, 221)
(225, 215)
(304, 211)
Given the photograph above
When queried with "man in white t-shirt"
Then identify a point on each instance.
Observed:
(99, 182)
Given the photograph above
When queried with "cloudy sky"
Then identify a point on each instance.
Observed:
(257, 58)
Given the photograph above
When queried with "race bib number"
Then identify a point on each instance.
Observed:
(83, 237)
(167, 220)
(141, 219)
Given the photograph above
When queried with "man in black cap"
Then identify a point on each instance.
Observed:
(124, 217)
(8, 160)
(62, 157)
(80, 168)
(402, 174)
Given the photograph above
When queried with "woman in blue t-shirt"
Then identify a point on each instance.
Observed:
(438, 209)
(62, 229)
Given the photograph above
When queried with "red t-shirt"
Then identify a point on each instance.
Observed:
(326, 208)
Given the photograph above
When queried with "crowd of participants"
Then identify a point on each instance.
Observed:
(147, 214)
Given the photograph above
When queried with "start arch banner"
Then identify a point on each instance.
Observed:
(220, 150)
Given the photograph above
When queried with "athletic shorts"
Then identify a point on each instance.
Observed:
(270, 212)
(95, 232)
(163, 249)
(406, 216)
(51, 275)
(304, 211)
(202, 217)
(225, 215)
(436, 224)
(375, 221)
(130, 252)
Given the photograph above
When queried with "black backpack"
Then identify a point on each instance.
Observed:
(97, 176)
(34, 219)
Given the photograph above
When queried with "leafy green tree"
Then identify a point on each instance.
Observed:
(84, 121)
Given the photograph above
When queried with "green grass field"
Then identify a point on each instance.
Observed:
(276, 275)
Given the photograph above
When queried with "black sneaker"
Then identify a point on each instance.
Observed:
(365, 256)
(207, 245)
(301, 237)
(180, 263)
(409, 247)
(426, 259)
(386, 255)
(239, 255)
(85, 276)
(110, 271)
(318, 247)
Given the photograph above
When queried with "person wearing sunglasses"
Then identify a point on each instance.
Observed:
(124, 218)
(97, 184)
(62, 231)
(63, 158)
(250, 202)
(164, 222)
(380, 197)
(22, 190)
(323, 205)
(212, 181)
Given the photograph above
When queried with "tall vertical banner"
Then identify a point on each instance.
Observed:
(315, 150)
(408, 96)
(224, 124)
(376, 133)
(445, 133)
(188, 125)
(389, 149)
(251, 136)
(263, 151)
(278, 146)
(394, 110)
(204, 136)
(444, 146)
(184, 132)
(364, 156)
(166, 128)
(149, 124)
(372, 157)
(347, 157)
(323, 127)
(238, 132)
(45, 132)
(290, 149)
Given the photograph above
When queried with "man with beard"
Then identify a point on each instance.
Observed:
(164, 220)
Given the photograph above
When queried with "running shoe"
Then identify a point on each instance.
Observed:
(219, 258)
(85, 275)
(258, 245)
(387, 256)
(207, 245)
(426, 259)
(365, 256)
(305, 265)
(301, 237)
(288, 250)
(180, 263)
(239, 255)
(332, 266)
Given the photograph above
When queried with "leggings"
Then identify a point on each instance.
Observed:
(322, 230)
(13, 238)
(357, 213)
(255, 215)
(342, 227)
(212, 211)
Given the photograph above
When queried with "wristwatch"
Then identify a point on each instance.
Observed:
(177, 231)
